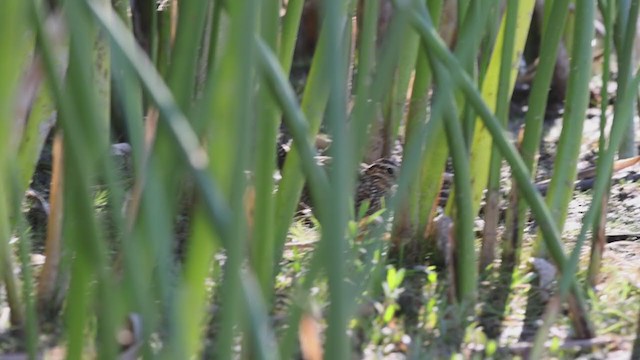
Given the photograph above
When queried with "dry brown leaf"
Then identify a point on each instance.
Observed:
(309, 336)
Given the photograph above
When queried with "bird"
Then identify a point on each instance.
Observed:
(374, 182)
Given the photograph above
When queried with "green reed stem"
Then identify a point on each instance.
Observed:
(466, 271)
(597, 246)
(429, 36)
(265, 161)
(502, 113)
(577, 100)
(551, 35)
(605, 168)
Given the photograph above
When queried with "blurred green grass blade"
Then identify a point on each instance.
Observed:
(80, 154)
(503, 104)
(565, 164)
(154, 36)
(213, 200)
(597, 247)
(230, 93)
(425, 151)
(137, 265)
(396, 99)
(289, 340)
(102, 81)
(181, 80)
(539, 209)
(86, 148)
(368, 103)
(264, 341)
(494, 10)
(435, 152)
(31, 334)
(158, 205)
(39, 121)
(398, 95)
(156, 222)
(289, 33)
(623, 109)
(80, 170)
(192, 294)
(298, 127)
(605, 168)
(181, 33)
(417, 115)
(49, 63)
(78, 297)
(203, 242)
(181, 76)
(12, 45)
(471, 31)
(164, 42)
(553, 28)
(627, 57)
(314, 101)
(232, 100)
(129, 93)
(468, 44)
(480, 158)
(542, 81)
(6, 263)
(294, 118)
(266, 129)
(466, 270)
(407, 217)
(463, 6)
(137, 287)
(341, 180)
(366, 47)
(271, 231)
(182, 133)
(214, 35)
(188, 142)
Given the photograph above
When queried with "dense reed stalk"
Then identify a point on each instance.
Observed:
(540, 210)
(577, 99)
(195, 246)
(13, 22)
(507, 42)
(466, 278)
(551, 35)
(598, 233)
(624, 33)
(265, 162)
(622, 112)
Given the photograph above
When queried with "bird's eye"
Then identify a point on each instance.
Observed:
(390, 170)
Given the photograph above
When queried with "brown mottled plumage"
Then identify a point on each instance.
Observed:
(373, 184)
(282, 150)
